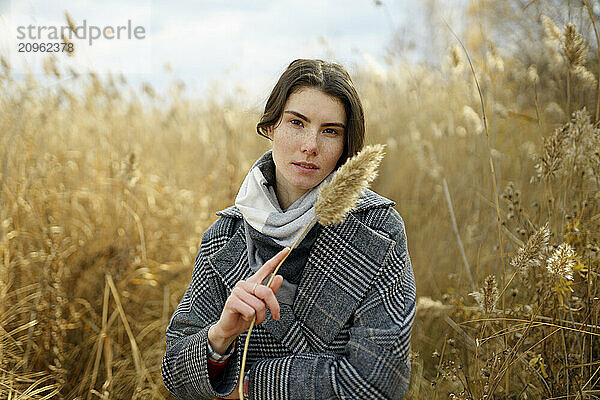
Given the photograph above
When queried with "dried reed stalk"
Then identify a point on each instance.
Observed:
(455, 227)
(589, 10)
(101, 337)
(336, 199)
(140, 366)
(494, 184)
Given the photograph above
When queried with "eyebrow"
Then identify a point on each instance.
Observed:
(297, 114)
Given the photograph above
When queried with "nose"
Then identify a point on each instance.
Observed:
(309, 144)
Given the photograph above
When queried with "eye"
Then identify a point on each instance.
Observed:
(331, 131)
(296, 122)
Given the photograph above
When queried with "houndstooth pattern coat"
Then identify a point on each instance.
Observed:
(347, 335)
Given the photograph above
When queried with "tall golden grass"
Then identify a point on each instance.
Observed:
(105, 191)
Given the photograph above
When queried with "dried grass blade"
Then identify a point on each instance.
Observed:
(101, 335)
(137, 359)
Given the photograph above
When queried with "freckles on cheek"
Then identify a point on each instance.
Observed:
(286, 144)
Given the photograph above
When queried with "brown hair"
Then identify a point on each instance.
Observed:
(328, 77)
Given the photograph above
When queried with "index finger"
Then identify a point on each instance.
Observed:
(268, 267)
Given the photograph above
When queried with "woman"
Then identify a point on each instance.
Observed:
(336, 321)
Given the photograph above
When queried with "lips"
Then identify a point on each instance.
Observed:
(306, 165)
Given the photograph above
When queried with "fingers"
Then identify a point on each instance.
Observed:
(236, 305)
(247, 311)
(268, 267)
(276, 284)
(267, 295)
(258, 297)
(247, 297)
(261, 315)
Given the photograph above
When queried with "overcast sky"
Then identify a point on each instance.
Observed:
(237, 43)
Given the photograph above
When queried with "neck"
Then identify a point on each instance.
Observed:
(285, 197)
(286, 193)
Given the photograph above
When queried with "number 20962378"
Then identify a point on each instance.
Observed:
(56, 47)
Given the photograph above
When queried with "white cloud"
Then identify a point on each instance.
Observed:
(242, 43)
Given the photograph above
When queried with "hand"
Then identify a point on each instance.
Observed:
(247, 299)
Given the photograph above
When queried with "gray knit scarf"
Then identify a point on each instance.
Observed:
(269, 228)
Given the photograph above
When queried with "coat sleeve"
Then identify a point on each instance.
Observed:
(375, 364)
(184, 365)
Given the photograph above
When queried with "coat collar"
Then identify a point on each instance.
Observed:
(341, 267)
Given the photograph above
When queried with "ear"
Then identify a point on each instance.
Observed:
(270, 132)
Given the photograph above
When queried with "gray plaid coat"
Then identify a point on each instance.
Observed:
(347, 335)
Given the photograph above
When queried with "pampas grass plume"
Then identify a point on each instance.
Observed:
(561, 262)
(71, 23)
(574, 46)
(529, 255)
(339, 196)
(487, 296)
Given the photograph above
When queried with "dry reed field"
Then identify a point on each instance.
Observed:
(493, 158)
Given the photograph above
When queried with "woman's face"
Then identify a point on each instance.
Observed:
(310, 131)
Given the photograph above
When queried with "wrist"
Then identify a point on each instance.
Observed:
(217, 341)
